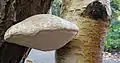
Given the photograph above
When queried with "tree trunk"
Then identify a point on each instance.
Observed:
(14, 11)
(92, 18)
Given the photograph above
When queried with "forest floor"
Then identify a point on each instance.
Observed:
(111, 57)
(36, 56)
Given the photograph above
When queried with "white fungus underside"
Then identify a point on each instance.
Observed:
(46, 40)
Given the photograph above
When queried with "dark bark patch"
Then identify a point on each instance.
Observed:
(96, 10)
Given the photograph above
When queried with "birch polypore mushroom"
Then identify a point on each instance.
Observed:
(43, 32)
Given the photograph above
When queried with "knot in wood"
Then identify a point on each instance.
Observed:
(96, 10)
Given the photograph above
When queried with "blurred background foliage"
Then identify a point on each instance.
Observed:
(112, 42)
(56, 7)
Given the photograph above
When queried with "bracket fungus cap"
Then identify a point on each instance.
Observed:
(43, 32)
